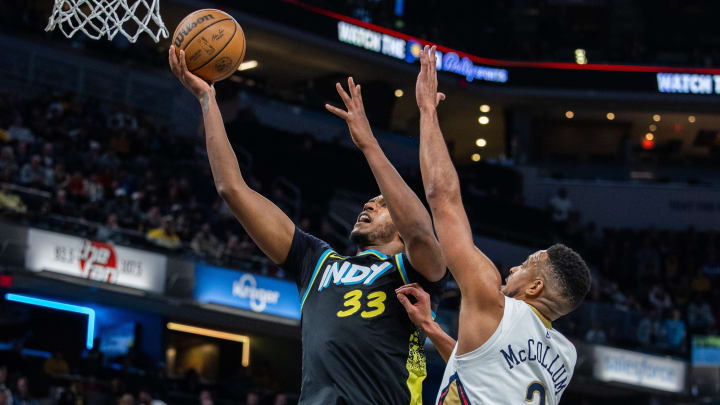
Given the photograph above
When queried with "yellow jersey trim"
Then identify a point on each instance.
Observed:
(542, 317)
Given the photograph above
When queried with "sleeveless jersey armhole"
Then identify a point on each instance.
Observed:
(504, 325)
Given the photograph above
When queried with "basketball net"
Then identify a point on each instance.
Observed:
(96, 18)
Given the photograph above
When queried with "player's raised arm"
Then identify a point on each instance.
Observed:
(408, 213)
(266, 224)
(476, 275)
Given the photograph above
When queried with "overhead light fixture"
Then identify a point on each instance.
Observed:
(569, 114)
(399, 93)
(481, 142)
(656, 117)
(60, 306)
(649, 136)
(485, 108)
(247, 65)
(610, 116)
(653, 127)
(245, 340)
(475, 157)
(691, 119)
(483, 120)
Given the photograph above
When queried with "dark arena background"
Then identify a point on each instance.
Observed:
(125, 279)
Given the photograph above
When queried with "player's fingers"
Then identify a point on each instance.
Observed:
(440, 97)
(343, 95)
(405, 302)
(183, 64)
(358, 95)
(432, 59)
(416, 285)
(415, 291)
(172, 58)
(337, 111)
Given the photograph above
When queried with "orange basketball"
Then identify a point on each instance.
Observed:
(214, 43)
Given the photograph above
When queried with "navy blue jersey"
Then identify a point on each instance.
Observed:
(359, 346)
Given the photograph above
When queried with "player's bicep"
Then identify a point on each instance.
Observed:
(267, 225)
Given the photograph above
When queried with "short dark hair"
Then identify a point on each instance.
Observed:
(572, 273)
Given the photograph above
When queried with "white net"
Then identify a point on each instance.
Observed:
(97, 18)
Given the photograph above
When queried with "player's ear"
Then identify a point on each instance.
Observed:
(534, 288)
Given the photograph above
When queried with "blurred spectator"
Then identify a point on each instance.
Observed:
(145, 398)
(10, 202)
(700, 315)
(4, 390)
(48, 155)
(127, 399)
(110, 232)
(659, 299)
(280, 399)
(252, 398)
(56, 365)
(60, 178)
(674, 331)
(7, 160)
(33, 174)
(648, 328)
(205, 243)
(596, 335)
(206, 398)
(165, 236)
(77, 185)
(560, 209)
(61, 206)
(19, 132)
(23, 396)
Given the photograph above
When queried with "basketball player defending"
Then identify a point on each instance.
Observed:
(507, 351)
(359, 347)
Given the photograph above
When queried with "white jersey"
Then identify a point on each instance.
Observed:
(524, 361)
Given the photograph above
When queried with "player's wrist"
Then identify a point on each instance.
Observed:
(429, 326)
(428, 108)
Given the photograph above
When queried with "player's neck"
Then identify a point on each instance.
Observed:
(388, 249)
(543, 308)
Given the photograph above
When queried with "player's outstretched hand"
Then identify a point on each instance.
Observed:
(419, 312)
(355, 116)
(197, 86)
(426, 87)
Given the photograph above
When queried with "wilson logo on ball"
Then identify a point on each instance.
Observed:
(189, 26)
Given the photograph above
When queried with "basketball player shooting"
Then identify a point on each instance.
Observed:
(507, 351)
(359, 347)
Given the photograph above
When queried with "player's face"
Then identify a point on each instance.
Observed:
(374, 225)
(521, 276)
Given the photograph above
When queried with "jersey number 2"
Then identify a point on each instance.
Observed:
(535, 387)
(352, 303)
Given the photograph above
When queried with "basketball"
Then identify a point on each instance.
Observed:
(214, 43)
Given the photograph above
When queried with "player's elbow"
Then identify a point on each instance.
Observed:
(439, 194)
(226, 192)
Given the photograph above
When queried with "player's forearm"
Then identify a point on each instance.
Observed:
(408, 213)
(223, 162)
(441, 340)
(438, 173)
(267, 225)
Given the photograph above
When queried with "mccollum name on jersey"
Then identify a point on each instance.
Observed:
(544, 355)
